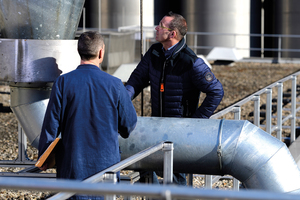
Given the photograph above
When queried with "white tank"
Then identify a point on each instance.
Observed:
(230, 16)
(112, 14)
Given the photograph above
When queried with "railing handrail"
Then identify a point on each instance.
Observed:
(152, 29)
(245, 34)
(250, 97)
(156, 191)
(279, 49)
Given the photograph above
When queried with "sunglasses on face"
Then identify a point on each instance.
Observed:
(163, 27)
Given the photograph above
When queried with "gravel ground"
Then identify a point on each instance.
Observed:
(238, 79)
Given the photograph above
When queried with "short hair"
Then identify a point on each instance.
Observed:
(89, 45)
(178, 23)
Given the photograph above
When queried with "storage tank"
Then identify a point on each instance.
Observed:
(231, 16)
(112, 14)
(282, 17)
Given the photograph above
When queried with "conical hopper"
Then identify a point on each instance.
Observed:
(40, 19)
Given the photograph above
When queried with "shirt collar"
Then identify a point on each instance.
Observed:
(169, 51)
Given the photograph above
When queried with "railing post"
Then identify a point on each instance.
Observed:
(195, 43)
(256, 112)
(279, 110)
(83, 19)
(237, 116)
(208, 181)
(279, 48)
(234, 40)
(269, 110)
(99, 17)
(168, 162)
(110, 177)
(22, 146)
(293, 109)
(237, 113)
(190, 179)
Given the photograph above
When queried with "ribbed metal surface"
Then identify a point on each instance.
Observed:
(251, 155)
(40, 19)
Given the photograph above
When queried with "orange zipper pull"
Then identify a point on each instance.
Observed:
(162, 88)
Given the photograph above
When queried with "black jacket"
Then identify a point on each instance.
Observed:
(181, 76)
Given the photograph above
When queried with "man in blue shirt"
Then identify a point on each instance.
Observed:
(90, 109)
(176, 76)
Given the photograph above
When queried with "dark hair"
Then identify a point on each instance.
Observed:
(178, 23)
(89, 45)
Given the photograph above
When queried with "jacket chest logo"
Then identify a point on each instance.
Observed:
(154, 52)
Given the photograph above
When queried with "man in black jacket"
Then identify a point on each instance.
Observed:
(176, 76)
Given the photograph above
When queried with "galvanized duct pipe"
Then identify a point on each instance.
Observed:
(249, 154)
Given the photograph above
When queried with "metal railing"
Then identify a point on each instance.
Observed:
(167, 147)
(235, 37)
(274, 121)
(282, 115)
(149, 33)
(166, 192)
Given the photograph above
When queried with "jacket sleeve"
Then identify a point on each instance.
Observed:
(50, 127)
(139, 78)
(127, 118)
(207, 83)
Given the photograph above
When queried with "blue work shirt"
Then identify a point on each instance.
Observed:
(91, 109)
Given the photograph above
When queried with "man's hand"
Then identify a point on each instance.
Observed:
(44, 167)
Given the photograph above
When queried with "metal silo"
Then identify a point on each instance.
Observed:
(108, 16)
(112, 14)
(231, 16)
(116, 13)
(282, 17)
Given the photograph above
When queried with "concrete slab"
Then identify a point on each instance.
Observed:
(224, 54)
(124, 71)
